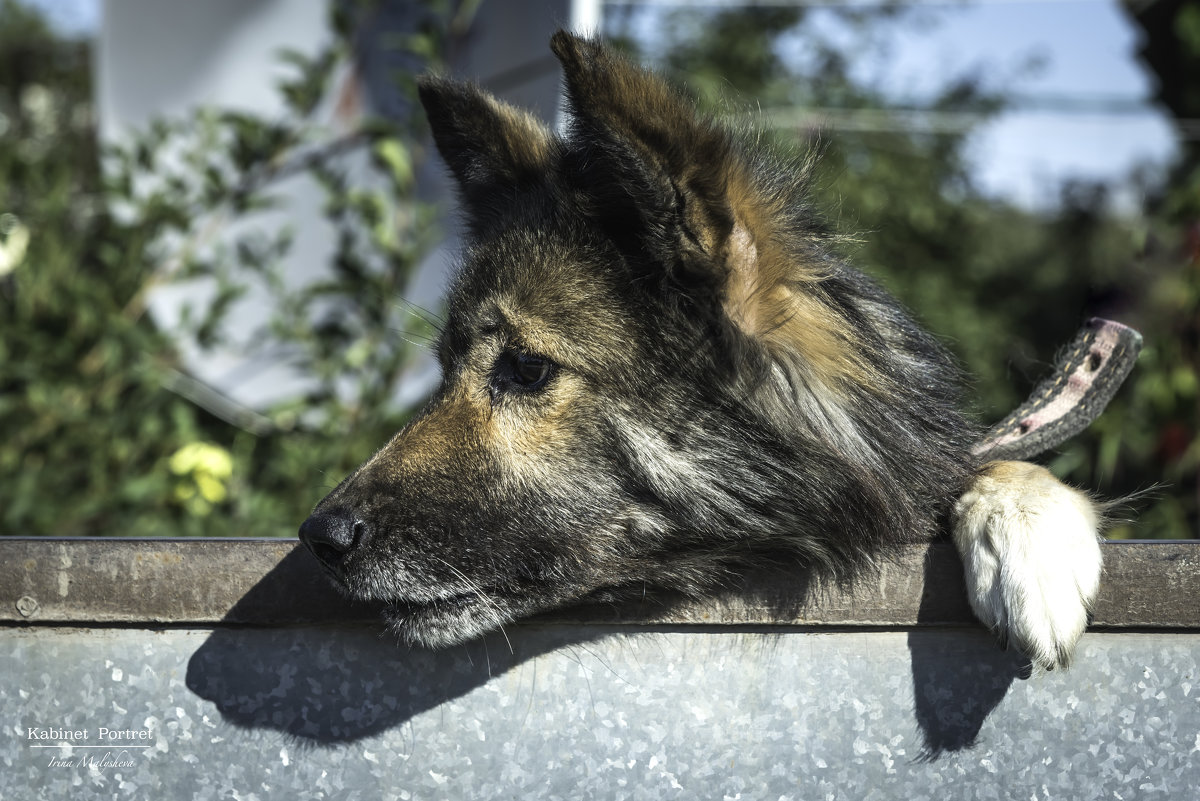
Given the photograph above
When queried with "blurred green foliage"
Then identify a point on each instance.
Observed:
(102, 433)
(1004, 286)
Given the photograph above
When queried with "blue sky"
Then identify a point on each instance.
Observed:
(1087, 49)
(1088, 113)
(70, 16)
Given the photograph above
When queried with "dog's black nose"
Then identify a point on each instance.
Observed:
(331, 535)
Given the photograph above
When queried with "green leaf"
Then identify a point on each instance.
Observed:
(393, 155)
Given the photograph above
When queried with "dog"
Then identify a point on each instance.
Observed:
(656, 374)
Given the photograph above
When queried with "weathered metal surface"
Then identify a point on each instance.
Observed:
(96, 580)
(594, 712)
(272, 582)
(268, 685)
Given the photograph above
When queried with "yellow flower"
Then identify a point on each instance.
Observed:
(211, 489)
(202, 457)
(204, 470)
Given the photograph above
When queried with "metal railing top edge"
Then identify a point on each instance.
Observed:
(136, 582)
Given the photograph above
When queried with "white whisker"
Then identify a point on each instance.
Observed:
(496, 614)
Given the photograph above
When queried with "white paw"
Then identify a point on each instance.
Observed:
(1031, 553)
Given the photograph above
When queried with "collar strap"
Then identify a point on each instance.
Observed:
(1087, 373)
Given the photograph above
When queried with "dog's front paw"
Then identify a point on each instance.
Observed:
(1031, 552)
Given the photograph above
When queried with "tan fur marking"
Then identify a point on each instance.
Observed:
(582, 329)
(805, 325)
(1023, 473)
(531, 436)
(535, 334)
(534, 438)
(767, 295)
(452, 427)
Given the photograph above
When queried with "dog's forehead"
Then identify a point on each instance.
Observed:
(550, 287)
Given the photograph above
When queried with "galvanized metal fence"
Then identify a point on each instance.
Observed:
(230, 669)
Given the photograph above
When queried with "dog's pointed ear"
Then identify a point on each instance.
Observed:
(686, 187)
(610, 96)
(490, 146)
(645, 139)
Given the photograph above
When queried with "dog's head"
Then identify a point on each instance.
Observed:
(642, 308)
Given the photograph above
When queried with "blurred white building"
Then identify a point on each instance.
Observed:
(165, 59)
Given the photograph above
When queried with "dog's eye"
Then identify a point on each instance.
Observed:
(524, 370)
(531, 371)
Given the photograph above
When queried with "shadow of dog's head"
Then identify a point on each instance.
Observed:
(652, 369)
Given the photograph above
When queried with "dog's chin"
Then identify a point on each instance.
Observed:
(446, 621)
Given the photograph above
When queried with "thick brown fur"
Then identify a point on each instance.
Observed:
(655, 372)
